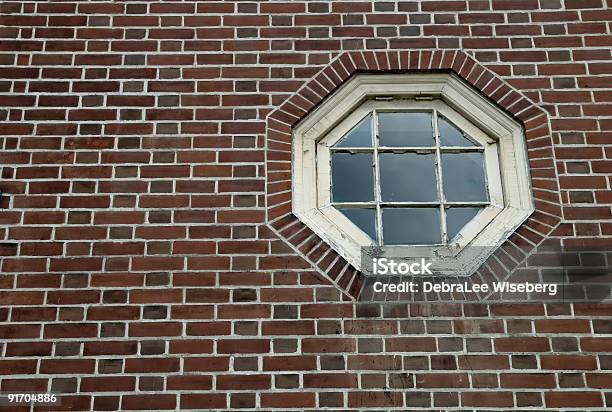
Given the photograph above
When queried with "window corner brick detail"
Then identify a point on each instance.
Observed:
(548, 211)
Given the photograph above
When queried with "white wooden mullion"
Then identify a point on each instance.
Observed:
(373, 204)
(378, 196)
(443, 234)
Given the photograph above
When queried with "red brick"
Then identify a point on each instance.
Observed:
(148, 365)
(599, 380)
(108, 384)
(288, 400)
(374, 362)
(533, 380)
(70, 330)
(189, 382)
(289, 363)
(571, 362)
(238, 382)
(494, 362)
(243, 346)
(483, 399)
(26, 348)
(596, 344)
(442, 380)
(155, 329)
(289, 327)
(212, 364)
(569, 399)
(203, 401)
(67, 366)
(328, 345)
(527, 344)
(412, 344)
(17, 367)
(330, 380)
(563, 326)
(147, 402)
(375, 399)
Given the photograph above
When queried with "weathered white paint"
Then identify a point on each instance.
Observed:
(507, 170)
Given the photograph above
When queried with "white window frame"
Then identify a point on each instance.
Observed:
(507, 170)
(488, 148)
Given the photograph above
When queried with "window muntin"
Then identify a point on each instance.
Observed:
(429, 177)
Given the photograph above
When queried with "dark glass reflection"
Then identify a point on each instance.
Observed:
(358, 136)
(352, 177)
(457, 218)
(405, 129)
(364, 219)
(407, 177)
(450, 135)
(463, 177)
(411, 226)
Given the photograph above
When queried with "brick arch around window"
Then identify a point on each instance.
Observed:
(319, 254)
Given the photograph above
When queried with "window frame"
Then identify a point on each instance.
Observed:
(483, 115)
(488, 147)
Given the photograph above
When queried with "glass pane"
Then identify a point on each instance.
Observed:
(358, 136)
(411, 226)
(450, 135)
(408, 177)
(405, 129)
(364, 219)
(458, 217)
(352, 177)
(463, 175)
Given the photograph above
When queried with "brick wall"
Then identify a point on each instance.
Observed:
(138, 270)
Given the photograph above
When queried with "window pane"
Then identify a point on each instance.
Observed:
(405, 129)
(463, 175)
(352, 177)
(450, 135)
(411, 226)
(358, 136)
(458, 217)
(407, 177)
(364, 219)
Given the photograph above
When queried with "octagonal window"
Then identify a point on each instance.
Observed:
(411, 162)
(409, 177)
